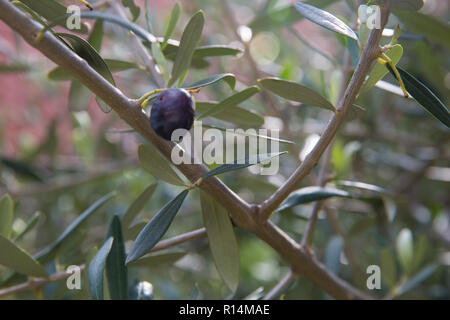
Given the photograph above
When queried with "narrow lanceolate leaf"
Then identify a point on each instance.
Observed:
(408, 5)
(15, 258)
(425, 97)
(174, 16)
(137, 206)
(85, 50)
(325, 19)
(222, 240)
(229, 78)
(158, 259)
(427, 25)
(50, 10)
(242, 163)
(6, 215)
(388, 267)
(280, 17)
(310, 194)
(155, 164)
(417, 279)
(405, 249)
(333, 254)
(293, 91)
(188, 43)
(97, 268)
(50, 252)
(250, 134)
(116, 270)
(379, 71)
(232, 100)
(156, 228)
(134, 9)
(60, 74)
(172, 47)
(29, 226)
(239, 116)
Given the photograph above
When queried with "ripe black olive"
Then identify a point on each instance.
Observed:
(172, 109)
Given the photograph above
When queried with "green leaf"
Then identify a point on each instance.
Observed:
(250, 134)
(325, 19)
(97, 268)
(158, 166)
(232, 100)
(379, 71)
(293, 91)
(420, 251)
(425, 97)
(161, 61)
(388, 268)
(138, 205)
(222, 240)
(50, 252)
(6, 215)
(86, 51)
(434, 29)
(229, 78)
(31, 222)
(60, 74)
(363, 186)
(173, 20)
(239, 116)
(50, 10)
(12, 68)
(172, 47)
(188, 43)
(333, 254)
(310, 194)
(96, 36)
(216, 51)
(280, 17)
(134, 9)
(156, 228)
(408, 5)
(415, 281)
(154, 260)
(116, 270)
(405, 249)
(19, 260)
(242, 163)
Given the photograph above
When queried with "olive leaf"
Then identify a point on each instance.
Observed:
(97, 268)
(222, 240)
(137, 205)
(293, 91)
(156, 228)
(6, 215)
(325, 19)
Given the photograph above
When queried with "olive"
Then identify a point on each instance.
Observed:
(172, 109)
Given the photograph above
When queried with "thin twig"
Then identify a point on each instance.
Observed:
(140, 49)
(188, 236)
(275, 292)
(370, 53)
(36, 283)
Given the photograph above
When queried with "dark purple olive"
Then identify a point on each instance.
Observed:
(172, 109)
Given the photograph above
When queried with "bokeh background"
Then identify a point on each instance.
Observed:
(59, 161)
